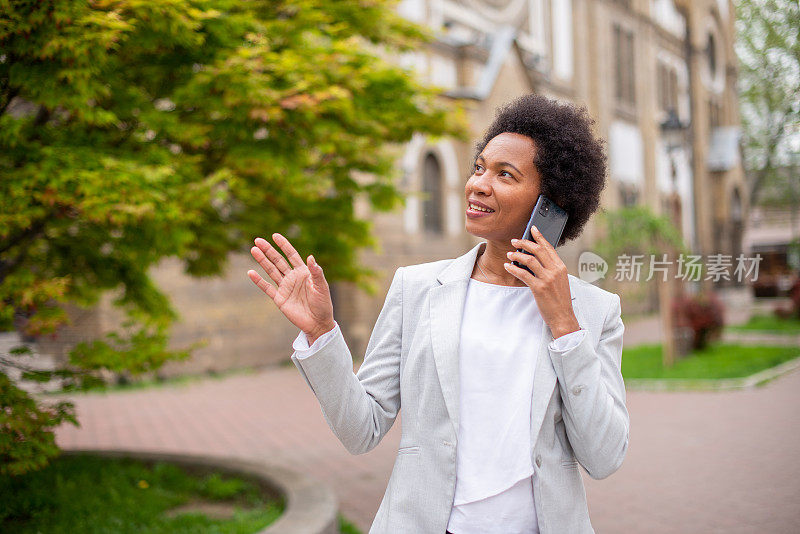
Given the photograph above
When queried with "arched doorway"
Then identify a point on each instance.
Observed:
(736, 224)
(432, 219)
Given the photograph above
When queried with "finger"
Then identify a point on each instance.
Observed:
(534, 248)
(547, 247)
(289, 250)
(532, 262)
(262, 284)
(266, 264)
(529, 280)
(274, 256)
(317, 276)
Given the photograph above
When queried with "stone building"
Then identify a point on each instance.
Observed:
(658, 76)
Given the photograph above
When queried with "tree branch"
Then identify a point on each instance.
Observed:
(42, 116)
(7, 267)
(11, 94)
(31, 232)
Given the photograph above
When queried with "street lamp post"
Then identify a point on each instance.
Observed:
(672, 132)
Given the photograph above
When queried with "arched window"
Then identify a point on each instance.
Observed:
(737, 224)
(432, 190)
(629, 195)
(711, 53)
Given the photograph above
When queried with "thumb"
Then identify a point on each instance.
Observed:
(317, 276)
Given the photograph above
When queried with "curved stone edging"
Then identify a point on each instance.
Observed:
(311, 507)
(712, 384)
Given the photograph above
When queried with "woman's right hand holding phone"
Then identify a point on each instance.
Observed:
(301, 292)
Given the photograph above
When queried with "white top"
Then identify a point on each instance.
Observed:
(501, 331)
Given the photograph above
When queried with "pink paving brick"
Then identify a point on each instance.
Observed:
(698, 462)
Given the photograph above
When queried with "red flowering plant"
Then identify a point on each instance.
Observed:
(792, 310)
(703, 313)
(794, 294)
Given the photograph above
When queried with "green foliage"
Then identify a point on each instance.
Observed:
(771, 324)
(346, 527)
(26, 436)
(90, 494)
(793, 254)
(768, 47)
(135, 130)
(219, 488)
(637, 230)
(720, 360)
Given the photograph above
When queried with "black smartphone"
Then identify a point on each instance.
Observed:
(550, 219)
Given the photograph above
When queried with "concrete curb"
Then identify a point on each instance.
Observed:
(761, 337)
(311, 507)
(713, 384)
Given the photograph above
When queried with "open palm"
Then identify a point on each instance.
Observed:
(300, 291)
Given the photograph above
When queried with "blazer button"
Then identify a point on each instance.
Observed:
(538, 460)
(577, 390)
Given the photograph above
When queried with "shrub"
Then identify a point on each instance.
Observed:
(703, 313)
(793, 309)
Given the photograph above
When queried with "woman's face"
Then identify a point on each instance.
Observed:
(505, 181)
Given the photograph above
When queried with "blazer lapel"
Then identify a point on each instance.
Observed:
(446, 313)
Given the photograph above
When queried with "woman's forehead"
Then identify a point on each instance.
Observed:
(514, 148)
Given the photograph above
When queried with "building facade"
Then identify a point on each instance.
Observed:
(659, 78)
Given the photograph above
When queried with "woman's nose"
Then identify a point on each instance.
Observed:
(481, 183)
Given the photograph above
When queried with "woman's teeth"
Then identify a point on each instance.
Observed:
(478, 208)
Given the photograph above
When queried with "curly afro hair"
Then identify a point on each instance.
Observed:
(569, 158)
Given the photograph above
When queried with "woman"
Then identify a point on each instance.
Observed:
(507, 380)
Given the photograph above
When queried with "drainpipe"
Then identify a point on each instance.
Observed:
(689, 53)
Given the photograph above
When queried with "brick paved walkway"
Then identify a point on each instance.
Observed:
(698, 462)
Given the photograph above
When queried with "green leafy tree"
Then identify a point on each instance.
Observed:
(134, 130)
(768, 46)
(637, 230)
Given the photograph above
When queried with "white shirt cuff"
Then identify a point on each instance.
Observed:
(567, 341)
(300, 344)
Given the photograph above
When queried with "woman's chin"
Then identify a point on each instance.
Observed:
(477, 231)
(474, 229)
(490, 234)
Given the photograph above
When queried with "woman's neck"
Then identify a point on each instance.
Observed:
(489, 265)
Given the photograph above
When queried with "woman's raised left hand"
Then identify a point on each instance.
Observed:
(550, 286)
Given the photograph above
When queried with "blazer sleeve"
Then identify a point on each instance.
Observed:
(593, 395)
(360, 408)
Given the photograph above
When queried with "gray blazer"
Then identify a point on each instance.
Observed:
(578, 411)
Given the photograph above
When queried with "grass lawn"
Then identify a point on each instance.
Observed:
(346, 527)
(716, 361)
(95, 495)
(769, 323)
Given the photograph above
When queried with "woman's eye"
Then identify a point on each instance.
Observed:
(477, 167)
(506, 173)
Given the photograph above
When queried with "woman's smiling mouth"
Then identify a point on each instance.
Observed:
(477, 210)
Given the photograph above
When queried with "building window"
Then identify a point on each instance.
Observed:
(623, 68)
(714, 114)
(432, 190)
(660, 84)
(667, 87)
(673, 90)
(711, 56)
(628, 195)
